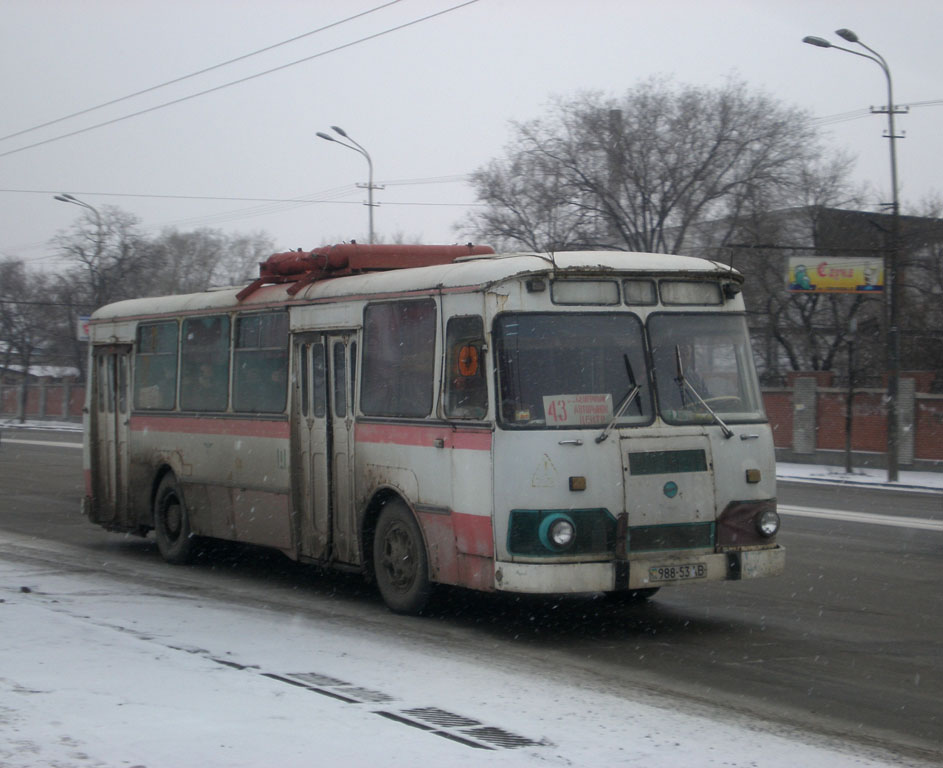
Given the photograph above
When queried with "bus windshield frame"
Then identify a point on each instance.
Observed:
(566, 370)
(704, 356)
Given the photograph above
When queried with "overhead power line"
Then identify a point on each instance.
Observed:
(198, 72)
(241, 80)
(312, 197)
(856, 114)
(73, 305)
(267, 205)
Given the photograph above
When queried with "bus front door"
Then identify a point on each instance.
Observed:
(110, 451)
(310, 440)
(322, 444)
(342, 373)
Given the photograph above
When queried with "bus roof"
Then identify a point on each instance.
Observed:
(469, 272)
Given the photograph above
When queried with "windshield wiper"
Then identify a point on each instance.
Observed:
(626, 402)
(683, 382)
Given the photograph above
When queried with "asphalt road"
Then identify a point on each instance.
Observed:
(847, 643)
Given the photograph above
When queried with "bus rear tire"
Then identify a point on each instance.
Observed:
(399, 560)
(175, 540)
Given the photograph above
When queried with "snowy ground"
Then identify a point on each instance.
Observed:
(96, 671)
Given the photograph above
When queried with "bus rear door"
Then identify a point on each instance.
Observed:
(110, 449)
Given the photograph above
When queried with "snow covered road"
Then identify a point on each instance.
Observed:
(108, 670)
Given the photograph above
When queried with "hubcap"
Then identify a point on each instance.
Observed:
(173, 520)
(398, 559)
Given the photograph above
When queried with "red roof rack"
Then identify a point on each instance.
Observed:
(305, 267)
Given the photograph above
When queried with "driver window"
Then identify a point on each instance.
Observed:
(466, 389)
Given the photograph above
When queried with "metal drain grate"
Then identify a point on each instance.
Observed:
(500, 737)
(439, 722)
(441, 717)
(364, 694)
(313, 678)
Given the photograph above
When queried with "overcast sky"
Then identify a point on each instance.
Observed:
(432, 101)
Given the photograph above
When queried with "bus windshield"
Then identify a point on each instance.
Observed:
(704, 359)
(571, 369)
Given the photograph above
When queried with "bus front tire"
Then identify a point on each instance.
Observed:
(399, 560)
(175, 540)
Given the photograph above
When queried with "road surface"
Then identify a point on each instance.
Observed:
(846, 644)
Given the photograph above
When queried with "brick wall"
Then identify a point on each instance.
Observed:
(43, 401)
(928, 427)
(779, 410)
(920, 415)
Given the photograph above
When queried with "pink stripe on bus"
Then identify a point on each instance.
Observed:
(411, 434)
(210, 426)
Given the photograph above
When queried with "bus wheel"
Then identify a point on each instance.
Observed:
(399, 560)
(172, 524)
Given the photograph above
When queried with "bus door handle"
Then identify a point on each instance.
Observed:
(571, 442)
(749, 437)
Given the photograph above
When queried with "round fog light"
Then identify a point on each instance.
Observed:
(561, 533)
(767, 523)
(557, 532)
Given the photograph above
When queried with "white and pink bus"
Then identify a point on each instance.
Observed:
(581, 422)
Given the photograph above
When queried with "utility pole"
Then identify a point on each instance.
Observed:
(369, 186)
(891, 281)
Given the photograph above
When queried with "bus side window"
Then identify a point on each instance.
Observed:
(353, 372)
(319, 383)
(466, 389)
(260, 363)
(155, 366)
(204, 364)
(398, 358)
(340, 379)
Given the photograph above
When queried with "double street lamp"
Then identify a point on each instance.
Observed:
(66, 198)
(891, 267)
(359, 148)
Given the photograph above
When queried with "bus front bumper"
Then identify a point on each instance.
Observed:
(638, 573)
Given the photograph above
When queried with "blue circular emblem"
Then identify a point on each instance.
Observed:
(671, 489)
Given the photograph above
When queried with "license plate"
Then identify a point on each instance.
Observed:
(677, 572)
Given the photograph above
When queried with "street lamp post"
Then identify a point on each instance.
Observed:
(359, 148)
(95, 266)
(891, 267)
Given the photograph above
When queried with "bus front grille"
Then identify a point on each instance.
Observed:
(656, 538)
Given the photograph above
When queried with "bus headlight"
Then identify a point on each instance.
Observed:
(767, 523)
(557, 532)
(747, 523)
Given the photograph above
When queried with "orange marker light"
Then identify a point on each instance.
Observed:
(468, 360)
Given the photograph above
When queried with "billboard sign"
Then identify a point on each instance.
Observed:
(81, 331)
(835, 275)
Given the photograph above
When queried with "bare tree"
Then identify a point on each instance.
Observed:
(24, 316)
(639, 171)
(240, 262)
(110, 255)
(195, 261)
(186, 261)
(112, 260)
